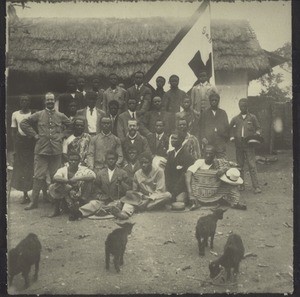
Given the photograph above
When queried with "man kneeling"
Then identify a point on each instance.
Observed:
(69, 184)
(149, 189)
(210, 180)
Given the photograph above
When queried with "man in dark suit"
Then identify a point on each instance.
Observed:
(91, 114)
(132, 164)
(215, 126)
(178, 161)
(133, 137)
(124, 117)
(150, 117)
(140, 93)
(159, 141)
(110, 185)
(173, 98)
(70, 95)
(98, 91)
(113, 109)
(191, 115)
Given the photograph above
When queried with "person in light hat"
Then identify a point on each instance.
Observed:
(210, 180)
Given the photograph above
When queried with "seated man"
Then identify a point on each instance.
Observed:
(69, 184)
(132, 165)
(149, 189)
(178, 161)
(211, 179)
(111, 183)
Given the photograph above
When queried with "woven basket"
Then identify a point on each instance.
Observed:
(205, 185)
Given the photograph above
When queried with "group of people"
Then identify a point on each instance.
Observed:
(115, 152)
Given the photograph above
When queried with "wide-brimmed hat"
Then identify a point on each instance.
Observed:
(232, 176)
(254, 139)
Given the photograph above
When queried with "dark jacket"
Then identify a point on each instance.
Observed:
(82, 113)
(175, 170)
(65, 99)
(250, 124)
(215, 128)
(149, 120)
(158, 147)
(142, 96)
(140, 142)
(112, 190)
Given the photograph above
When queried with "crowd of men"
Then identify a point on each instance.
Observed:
(118, 151)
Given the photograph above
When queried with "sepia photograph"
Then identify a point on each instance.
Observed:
(149, 147)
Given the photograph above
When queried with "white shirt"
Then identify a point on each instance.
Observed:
(138, 87)
(91, 120)
(214, 112)
(16, 118)
(110, 173)
(243, 116)
(132, 114)
(66, 143)
(159, 136)
(83, 92)
(176, 152)
(199, 164)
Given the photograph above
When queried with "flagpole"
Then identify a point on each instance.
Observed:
(180, 35)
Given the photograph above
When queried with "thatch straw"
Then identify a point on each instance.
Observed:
(58, 1)
(98, 47)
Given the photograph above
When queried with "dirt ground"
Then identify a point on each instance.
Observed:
(162, 253)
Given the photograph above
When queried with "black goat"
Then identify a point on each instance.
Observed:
(25, 254)
(115, 244)
(206, 227)
(231, 258)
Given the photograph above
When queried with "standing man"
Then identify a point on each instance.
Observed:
(140, 93)
(124, 117)
(190, 143)
(215, 127)
(200, 93)
(160, 83)
(70, 95)
(174, 97)
(157, 112)
(159, 140)
(243, 126)
(91, 114)
(23, 151)
(192, 116)
(102, 143)
(114, 92)
(48, 148)
(113, 113)
(98, 91)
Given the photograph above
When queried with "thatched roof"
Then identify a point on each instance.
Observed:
(101, 46)
(58, 1)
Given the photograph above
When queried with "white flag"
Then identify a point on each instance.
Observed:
(189, 53)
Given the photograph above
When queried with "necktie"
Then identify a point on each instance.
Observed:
(91, 110)
(133, 117)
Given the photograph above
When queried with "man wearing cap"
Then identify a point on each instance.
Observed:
(244, 129)
(209, 180)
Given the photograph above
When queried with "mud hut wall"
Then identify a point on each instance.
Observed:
(232, 86)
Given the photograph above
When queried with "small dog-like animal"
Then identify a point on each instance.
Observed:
(115, 244)
(206, 227)
(25, 254)
(231, 258)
